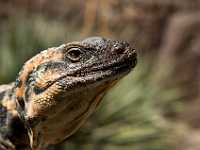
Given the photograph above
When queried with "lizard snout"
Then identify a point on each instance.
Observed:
(120, 48)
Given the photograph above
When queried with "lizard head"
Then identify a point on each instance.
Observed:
(65, 84)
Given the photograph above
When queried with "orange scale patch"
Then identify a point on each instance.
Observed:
(42, 57)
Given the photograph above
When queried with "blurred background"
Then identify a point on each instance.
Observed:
(157, 106)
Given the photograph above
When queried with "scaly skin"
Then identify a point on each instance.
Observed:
(58, 89)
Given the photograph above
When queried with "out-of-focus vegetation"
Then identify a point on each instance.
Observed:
(156, 106)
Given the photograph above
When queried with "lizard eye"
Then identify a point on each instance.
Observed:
(74, 54)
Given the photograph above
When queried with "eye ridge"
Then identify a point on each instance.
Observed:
(74, 54)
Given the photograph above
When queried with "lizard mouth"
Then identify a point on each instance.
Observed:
(107, 71)
(125, 63)
(120, 65)
(84, 77)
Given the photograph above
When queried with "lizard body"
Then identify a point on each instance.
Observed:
(58, 89)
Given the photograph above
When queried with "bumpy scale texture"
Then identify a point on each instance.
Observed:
(58, 89)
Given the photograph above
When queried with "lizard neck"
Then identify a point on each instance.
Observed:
(77, 106)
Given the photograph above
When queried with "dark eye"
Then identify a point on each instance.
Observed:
(74, 54)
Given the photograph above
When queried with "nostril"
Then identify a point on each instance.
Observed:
(118, 49)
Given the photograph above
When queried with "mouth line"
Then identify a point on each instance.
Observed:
(123, 65)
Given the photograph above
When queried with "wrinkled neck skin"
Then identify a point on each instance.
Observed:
(60, 120)
(72, 109)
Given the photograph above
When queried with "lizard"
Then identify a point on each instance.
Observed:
(58, 89)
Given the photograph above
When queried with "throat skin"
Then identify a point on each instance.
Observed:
(77, 106)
